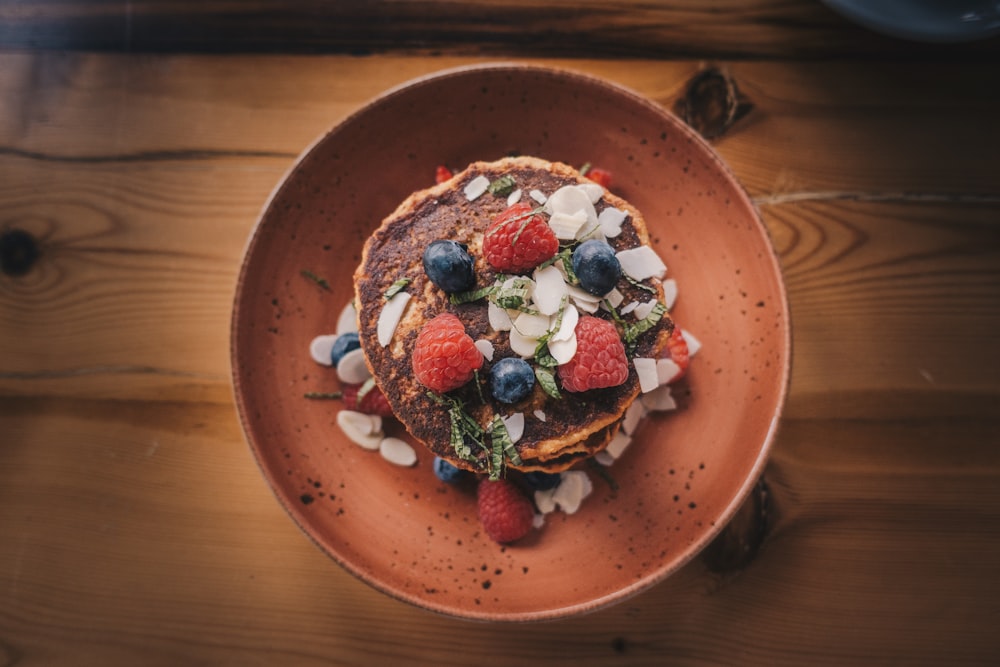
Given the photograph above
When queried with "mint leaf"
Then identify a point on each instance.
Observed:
(396, 288)
(502, 186)
(547, 381)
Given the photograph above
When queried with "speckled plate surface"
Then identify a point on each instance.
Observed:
(400, 529)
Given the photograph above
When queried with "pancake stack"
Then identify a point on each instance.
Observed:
(557, 432)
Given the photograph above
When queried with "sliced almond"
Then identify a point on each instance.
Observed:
(669, 293)
(352, 369)
(476, 187)
(550, 288)
(646, 369)
(667, 371)
(570, 318)
(347, 322)
(619, 443)
(633, 416)
(392, 313)
(320, 348)
(500, 319)
(693, 343)
(515, 425)
(641, 262)
(486, 347)
(610, 221)
(659, 400)
(563, 350)
(567, 225)
(530, 325)
(397, 451)
(361, 429)
(572, 490)
(594, 191)
(523, 346)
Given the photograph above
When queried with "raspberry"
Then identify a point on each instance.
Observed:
(600, 176)
(441, 174)
(444, 357)
(677, 350)
(373, 402)
(519, 239)
(599, 360)
(505, 513)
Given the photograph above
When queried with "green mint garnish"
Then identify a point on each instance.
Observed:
(464, 429)
(638, 284)
(585, 168)
(547, 381)
(502, 186)
(459, 298)
(396, 288)
(543, 357)
(323, 395)
(631, 332)
(502, 446)
(306, 273)
(365, 388)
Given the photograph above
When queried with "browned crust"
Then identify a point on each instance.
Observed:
(576, 426)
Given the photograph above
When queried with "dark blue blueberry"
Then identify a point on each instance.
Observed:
(542, 481)
(511, 379)
(344, 344)
(596, 266)
(449, 266)
(446, 472)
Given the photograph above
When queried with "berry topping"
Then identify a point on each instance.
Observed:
(449, 266)
(505, 512)
(371, 402)
(511, 379)
(342, 345)
(677, 350)
(448, 473)
(445, 357)
(596, 266)
(519, 239)
(600, 176)
(442, 174)
(542, 481)
(599, 360)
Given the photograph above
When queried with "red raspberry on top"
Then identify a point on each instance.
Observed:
(505, 512)
(444, 357)
(519, 240)
(441, 174)
(677, 350)
(600, 176)
(373, 402)
(600, 359)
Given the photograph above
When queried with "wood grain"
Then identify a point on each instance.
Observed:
(732, 29)
(138, 530)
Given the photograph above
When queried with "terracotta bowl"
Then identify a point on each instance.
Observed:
(400, 529)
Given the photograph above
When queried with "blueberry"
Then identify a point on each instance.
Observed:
(511, 379)
(446, 472)
(542, 481)
(596, 266)
(344, 344)
(449, 266)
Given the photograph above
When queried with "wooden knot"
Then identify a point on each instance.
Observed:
(737, 545)
(712, 103)
(18, 252)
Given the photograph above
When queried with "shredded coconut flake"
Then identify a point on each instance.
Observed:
(641, 262)
(538, 196)
(514, 197)
(486, 347)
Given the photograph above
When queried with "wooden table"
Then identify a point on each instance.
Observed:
(138, 143)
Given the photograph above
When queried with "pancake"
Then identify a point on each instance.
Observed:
(558, 432)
